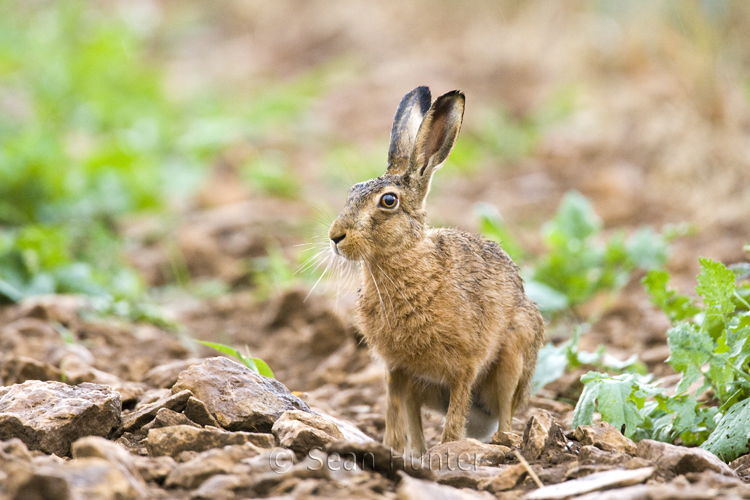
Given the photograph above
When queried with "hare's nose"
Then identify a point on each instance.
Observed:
(337, 239)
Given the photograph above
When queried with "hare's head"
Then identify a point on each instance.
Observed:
(386, 215)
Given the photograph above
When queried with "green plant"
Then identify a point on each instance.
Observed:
(709, 347)
(553, 361)
(579, 262)
(255, 364)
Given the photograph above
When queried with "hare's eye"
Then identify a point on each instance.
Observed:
(388, 200)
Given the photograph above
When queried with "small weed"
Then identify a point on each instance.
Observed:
(255, 364)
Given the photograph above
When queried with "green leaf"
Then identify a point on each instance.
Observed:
(576, 218)
(677, 307)
(545, 297)
(647, 248)
(690, 348)
(550, 365)
(730, 438)
(716, 284)
(584, 410)
(255, 364)
(615, 404)
(263, 368)
(492, 227)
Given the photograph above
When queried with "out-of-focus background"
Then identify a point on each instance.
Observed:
(178, 164)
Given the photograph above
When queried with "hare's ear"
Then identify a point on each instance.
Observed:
(436, 138)
(409, 115)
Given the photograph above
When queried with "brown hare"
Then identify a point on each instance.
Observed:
(446, 310)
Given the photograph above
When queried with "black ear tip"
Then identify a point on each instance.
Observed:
(455, 94)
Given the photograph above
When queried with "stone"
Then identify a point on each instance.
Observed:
(193, 473)
(197, 411)
(117, 455)
(506, 479)
(237, 397)
(593, 482)
(97, 478)
(154, 469)
(146, 413)
(14, 449)
(174, 440)
(591, 455)
(24, 482)
(49, 416)
(134, 443)
(167, 418)
(349, 430)
(509, 439)
(19, 369)
(55, 308)
(377, 457)
(78, 371)
(468, 451)
(410, 488)
(543, 438)
(681, 460)
(468, 477)
(219, 487)
(165, 376)
(302, 431)
(606, 437)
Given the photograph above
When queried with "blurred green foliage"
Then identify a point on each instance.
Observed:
(580, 262)
(89, 133)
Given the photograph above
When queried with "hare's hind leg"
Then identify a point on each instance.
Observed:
(403, 419)
(509, 372)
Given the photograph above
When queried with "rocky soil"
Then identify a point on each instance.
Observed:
(113, 410)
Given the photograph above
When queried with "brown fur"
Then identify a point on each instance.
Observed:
(446, 310)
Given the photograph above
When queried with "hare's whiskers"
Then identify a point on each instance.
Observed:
(328, 264)
(309, 262)
(395, 285)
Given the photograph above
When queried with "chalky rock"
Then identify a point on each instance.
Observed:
(410, 488)
(474, 476)
(593, 482)
(542, 437)
(49, 416)
(237, 397)
(681, 460)
(507, 479)
(509, 439)
(137, 419)
(166, 375)
(466, 453)
(302, 431)
(96, 478)
(377, 457)
(115, 454)
(19, 369)
(194, 472)
(197, 411)
(174, 440)
(605, 437)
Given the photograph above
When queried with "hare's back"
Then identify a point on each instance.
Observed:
(478, 267)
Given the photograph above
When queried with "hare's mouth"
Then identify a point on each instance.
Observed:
(341, 252)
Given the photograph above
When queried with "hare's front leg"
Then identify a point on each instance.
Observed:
(403, 418)
(458, 406)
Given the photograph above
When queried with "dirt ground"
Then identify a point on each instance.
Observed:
(657, 133)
